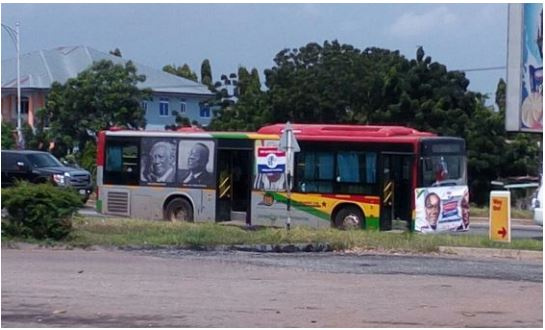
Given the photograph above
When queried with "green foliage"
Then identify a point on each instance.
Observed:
(181, 121)
(88, 157)
(183, 71)
(493, 153)
(206, 74)
(100, 97)
(40, 211)
(337, 83)
(8, 140)
(116, 52)
(250, 112)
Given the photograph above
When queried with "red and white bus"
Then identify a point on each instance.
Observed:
(344, 176)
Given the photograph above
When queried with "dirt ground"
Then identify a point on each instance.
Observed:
(111, 288)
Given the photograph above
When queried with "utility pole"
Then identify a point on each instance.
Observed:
(16, 39)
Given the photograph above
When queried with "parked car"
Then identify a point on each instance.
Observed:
(40, 167)
(537, 205)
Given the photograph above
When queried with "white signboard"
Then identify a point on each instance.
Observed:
(442, 209)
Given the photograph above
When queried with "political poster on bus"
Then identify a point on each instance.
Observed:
(270, 168)
(439, 209)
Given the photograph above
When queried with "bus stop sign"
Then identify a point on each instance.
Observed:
(288, 140)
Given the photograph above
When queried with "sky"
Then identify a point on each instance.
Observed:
(460, 36)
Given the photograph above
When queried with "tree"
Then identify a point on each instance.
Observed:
(100, 97)
(183, 71)
(116, 52)
(206, 74)
(8, 140)
(249, 112)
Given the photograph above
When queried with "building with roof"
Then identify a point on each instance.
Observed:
(39, 69)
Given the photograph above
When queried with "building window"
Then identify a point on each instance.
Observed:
(205, 110)
(182, 107)
(24, 105)
(163, 107)
(145, 106)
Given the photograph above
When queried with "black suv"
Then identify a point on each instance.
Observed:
(40, 167)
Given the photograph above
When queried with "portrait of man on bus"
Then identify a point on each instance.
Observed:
(158, 161)
(464, 205)
(432, 204)
(196, 163)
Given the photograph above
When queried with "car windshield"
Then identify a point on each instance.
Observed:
(43, 160)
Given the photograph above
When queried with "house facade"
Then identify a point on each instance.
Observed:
(39, 69)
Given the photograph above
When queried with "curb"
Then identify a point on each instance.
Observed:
(261, 248)
(493, 253)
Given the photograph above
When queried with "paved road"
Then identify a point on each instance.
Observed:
(173, 288)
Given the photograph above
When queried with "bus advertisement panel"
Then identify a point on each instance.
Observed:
(442, 209)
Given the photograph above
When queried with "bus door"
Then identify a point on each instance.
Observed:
(396, 192)
(234, 178)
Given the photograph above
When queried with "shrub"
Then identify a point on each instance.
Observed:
(8, 141)
(41, 211)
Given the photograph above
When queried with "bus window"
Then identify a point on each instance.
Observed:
(346, 172)
(356, 172)
(315, 172)
(122, 166)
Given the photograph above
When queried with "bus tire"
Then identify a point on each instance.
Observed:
(349, 217)
(179, 209)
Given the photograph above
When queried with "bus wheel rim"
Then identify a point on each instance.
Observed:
(179, 215)
(351, 221)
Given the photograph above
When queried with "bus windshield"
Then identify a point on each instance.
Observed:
(443, 170)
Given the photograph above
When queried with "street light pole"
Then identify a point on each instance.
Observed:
(20, 140)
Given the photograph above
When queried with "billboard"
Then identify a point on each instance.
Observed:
(525, 68)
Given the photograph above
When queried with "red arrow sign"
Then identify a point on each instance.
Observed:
(502, 232)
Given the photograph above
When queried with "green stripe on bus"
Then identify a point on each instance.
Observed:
(227, 135)
(302, 207)
(371, 222)
(99, 206)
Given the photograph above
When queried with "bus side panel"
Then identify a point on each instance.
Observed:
(313, 210)
(148, 202)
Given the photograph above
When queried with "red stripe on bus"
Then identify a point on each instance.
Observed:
(359, 199)
(100, 148)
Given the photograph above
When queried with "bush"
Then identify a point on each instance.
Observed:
(8, 141)
(41, 211)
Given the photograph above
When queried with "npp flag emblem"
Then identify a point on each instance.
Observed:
(271, 160)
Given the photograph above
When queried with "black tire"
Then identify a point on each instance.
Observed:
(349, 217)
(179, 209)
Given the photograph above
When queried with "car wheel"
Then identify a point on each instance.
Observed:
(349, 217)
(179, 209)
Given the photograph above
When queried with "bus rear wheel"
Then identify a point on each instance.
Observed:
(179, 209)
(349, 217)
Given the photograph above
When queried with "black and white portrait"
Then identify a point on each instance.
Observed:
(196, 163)
(158, 161)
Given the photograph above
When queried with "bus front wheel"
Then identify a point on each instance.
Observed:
(179, 209)
(349, 218)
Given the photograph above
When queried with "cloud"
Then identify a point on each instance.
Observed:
(412, 24)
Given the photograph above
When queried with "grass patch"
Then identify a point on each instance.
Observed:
(515, 213)
(130, 232)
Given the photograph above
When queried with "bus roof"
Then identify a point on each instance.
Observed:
(193, 134)
(355, 133)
